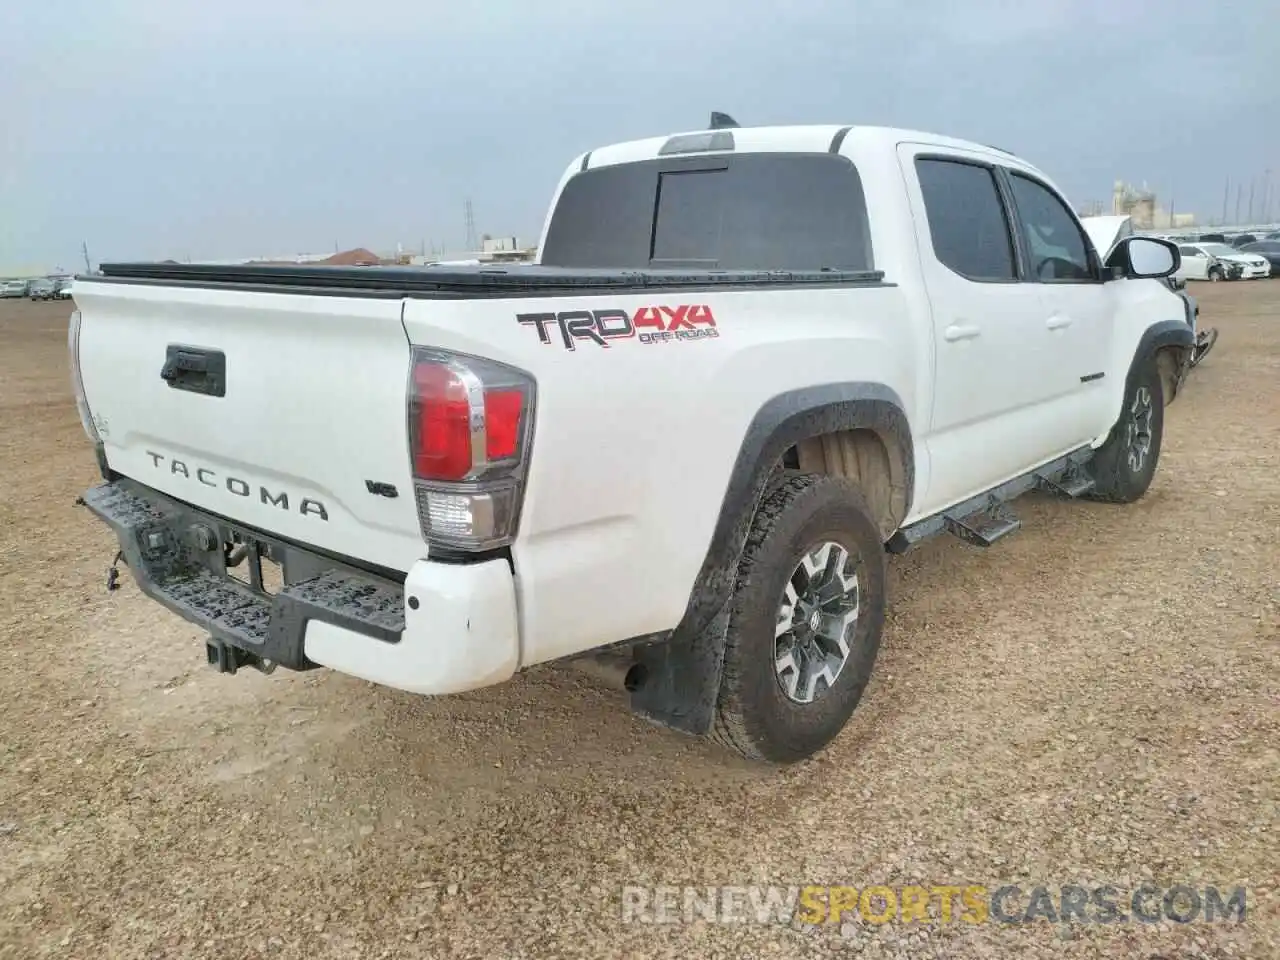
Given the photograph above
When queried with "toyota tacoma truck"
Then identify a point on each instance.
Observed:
(747, 365)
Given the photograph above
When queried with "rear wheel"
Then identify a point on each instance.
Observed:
(805, 621)
(1125, 465)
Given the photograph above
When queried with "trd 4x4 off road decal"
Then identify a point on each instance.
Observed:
(602, 327)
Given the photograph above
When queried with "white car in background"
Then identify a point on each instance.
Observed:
(1212, 261)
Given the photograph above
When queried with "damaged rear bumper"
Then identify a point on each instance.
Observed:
(443, 628)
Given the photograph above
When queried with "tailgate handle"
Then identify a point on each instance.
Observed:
(195, 370)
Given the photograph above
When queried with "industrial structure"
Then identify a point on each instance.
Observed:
(1143, 208)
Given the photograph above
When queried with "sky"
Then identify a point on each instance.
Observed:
(205, 130)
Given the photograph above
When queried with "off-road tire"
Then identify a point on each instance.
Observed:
(754, 717)
(1114, 477)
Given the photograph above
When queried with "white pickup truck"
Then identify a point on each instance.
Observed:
(749, 363)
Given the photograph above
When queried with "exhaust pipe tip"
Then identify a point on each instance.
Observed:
(614, 672)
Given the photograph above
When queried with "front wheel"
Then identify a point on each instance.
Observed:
(805, 621)
(1125, 465)
(1215, 274)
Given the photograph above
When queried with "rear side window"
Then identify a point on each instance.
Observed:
(966, 219)
(763, 211)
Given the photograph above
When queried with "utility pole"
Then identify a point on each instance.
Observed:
(473, 242)
(1226, 192)
(84, 249)
(1239, 191)
(1252, 184)
(1266, 196)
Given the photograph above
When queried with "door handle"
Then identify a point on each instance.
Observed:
(1058, 322)
(961, 331)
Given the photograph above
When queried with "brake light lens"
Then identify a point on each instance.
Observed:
(470, 427)
(442, 428)
(502, 412)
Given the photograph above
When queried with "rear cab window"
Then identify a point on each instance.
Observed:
(751, 211)
(967, 222)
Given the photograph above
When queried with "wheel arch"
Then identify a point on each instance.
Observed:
(1171, 343)
(683, 667)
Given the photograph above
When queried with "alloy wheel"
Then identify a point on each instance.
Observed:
(816, 622)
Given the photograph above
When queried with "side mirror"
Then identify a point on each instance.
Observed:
(1144, 257)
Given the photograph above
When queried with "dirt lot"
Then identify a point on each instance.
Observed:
(1094, 701)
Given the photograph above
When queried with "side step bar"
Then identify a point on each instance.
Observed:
(985, 527)
(986, 518)
(1070, 485)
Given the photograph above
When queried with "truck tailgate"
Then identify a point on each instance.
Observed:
(305, 435)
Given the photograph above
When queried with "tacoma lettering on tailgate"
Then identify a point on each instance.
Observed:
(236, 486)
(601, 327)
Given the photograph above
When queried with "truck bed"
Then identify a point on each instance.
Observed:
(460, 282)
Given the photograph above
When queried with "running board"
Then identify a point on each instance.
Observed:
(982, 520)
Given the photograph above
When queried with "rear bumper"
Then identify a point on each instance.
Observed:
(445, 628)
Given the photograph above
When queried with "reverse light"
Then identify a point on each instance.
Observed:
(470, 427)
(77, 383)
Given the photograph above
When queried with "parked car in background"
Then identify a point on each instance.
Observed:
(1217, 261)
(63, 289)
(1240, 240)
(1199, 265)
(1207, 238)
(41, 289)
(13, 288)
(1268, 249)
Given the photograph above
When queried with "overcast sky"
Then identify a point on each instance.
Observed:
(171, 128)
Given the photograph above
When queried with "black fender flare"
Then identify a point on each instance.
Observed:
(1162, 334)
(682, 667)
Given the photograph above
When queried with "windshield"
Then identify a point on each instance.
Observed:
(1218, 249)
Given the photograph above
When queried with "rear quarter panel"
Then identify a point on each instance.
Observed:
(634, 442)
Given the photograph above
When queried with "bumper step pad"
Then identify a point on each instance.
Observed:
(157, 540)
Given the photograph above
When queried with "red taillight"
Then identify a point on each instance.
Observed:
(502, 412)
(441, 423)
(470, 426)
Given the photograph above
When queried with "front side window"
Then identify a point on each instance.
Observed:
(1057, 245)
(1219, 250)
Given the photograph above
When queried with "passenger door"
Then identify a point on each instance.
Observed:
(1076, 308)
(998, 368)
(1195, 264)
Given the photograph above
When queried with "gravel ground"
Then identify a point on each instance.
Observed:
(1095, 700)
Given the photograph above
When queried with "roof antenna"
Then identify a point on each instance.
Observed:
(721, 121)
